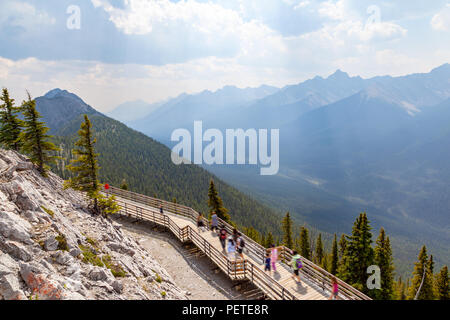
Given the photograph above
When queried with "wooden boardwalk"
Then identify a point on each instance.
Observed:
(181, 221)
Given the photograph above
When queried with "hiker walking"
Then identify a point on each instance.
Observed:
(334, 289)
(267, 262)
(296, 264)
(240, 244)
(200, 223)
(223, 237)
(214, 222)
(274, 257)
(235, 235)
(161, 209)
(231, 249)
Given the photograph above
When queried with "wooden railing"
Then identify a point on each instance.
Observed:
(235, 269)
(320, 277)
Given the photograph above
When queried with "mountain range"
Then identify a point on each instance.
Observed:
(145, 164)
(347, 144)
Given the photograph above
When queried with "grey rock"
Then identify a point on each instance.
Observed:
(63, 258)
(100, 274)
(31, 216)
(14, 227)
(75, 252)
(39, 282)
(16, 250)
(114, 246)
(50, 244)
(10, 288)
(7, 264)
(117, 286)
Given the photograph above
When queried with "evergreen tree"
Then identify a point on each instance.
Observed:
(286, 224)
(269, 240)
(85, 166)
(334, 259)
(107, 205)
(215, 203)
(319, 250)
(431, 264)
(422, 271)
(304, 245)
(124, 185)
(384, 260)
(442, 284)
(326, 262)
(342, 246)
(358, 255)
(400, 292)
(34, 138)
(10, 124)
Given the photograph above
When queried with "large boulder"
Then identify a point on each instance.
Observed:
(40, 283)
(16, 250)
(15, 228)
(10, 288)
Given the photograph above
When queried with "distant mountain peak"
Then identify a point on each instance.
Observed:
(441, 69)
(339, 74)
(53, 93)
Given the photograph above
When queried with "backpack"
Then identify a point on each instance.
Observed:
(298, 263)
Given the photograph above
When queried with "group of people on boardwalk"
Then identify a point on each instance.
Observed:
(233, 246)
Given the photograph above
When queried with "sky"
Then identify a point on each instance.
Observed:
(112, 51)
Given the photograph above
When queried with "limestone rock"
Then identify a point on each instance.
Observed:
(31, 262)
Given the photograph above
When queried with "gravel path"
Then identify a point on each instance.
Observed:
(191, 271)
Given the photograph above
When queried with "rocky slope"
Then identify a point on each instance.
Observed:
(52, 248)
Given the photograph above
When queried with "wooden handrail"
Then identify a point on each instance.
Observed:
(317, 274)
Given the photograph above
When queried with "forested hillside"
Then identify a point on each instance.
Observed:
(147, 168)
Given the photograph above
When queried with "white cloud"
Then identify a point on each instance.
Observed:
(441, 20)
(142, 16)
(22, 14)
(334, 10)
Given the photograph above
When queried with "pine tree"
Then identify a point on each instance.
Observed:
(304, 245)
(442, 284)
(286, 224)
(34, 138)
(400, 290)
(422, 271)
(319, 250)
(269, 240)
(85, 165)
(431, 264)
(326, 262)
(334, 259)
(124, 185)
(215, 203)
(383, 259)
(358, 255)
(342, 246)
(10, 124)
